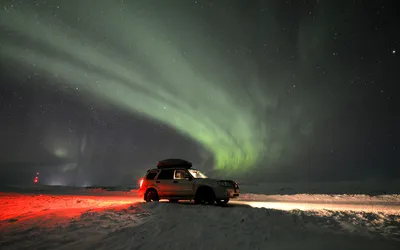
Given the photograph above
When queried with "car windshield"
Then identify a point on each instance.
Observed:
(197, 174)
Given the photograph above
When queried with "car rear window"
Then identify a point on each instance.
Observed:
(166, 174)
(151, 175)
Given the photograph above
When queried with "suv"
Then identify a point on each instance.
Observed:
(175, 179)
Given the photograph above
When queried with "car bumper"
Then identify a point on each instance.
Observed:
(231, 193)
(227, 193)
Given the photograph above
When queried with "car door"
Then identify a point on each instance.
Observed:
(183, 183)
(164, 183)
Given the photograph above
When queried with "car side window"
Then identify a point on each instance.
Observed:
(181, 174)
(151, 175)
(166, 174)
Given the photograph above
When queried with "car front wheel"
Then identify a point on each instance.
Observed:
(205, 196)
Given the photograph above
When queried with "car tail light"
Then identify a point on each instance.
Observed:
(140, 183)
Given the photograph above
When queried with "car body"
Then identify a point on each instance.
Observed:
(175, 179)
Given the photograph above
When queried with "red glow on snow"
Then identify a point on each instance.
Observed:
(16, 208)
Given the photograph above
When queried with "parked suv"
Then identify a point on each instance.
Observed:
(175, 179)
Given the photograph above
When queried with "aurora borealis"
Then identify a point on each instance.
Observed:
(257, 85)
(196, 103)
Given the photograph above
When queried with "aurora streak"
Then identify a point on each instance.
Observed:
(147, 73)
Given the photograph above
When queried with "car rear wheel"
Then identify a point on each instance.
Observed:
(205, 196)
(151, 195)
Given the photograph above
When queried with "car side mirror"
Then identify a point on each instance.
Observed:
(190, 178)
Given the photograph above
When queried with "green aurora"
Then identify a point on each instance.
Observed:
(130, 59)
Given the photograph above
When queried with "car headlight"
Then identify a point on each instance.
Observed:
(225, 183)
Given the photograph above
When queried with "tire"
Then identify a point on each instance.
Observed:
(222, 202)
(151, 195)
(173, 201)
(204, 196)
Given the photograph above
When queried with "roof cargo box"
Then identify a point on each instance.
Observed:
(172, 163)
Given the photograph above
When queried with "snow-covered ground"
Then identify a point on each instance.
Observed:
(367, 187)
(77, 218)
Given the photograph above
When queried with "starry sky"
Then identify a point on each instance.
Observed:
(96, 92)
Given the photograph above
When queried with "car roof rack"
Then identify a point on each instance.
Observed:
(174, 163)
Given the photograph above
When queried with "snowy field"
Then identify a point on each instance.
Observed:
(366, 187)
(77, 218)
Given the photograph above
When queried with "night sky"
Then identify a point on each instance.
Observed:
(95, 92)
